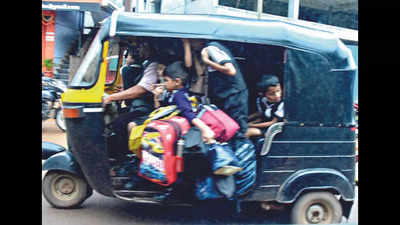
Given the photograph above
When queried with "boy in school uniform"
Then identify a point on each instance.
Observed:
(226, 86)
(174, 92)
(269, 106)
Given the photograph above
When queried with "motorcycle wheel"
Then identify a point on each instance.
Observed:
(60, 120)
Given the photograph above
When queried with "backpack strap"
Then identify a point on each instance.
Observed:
(204, 99)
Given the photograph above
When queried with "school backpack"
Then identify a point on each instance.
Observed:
(136, 135)
(245, 151)
(223, 126)
(159, 162)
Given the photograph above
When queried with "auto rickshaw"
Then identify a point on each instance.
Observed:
(306, 162)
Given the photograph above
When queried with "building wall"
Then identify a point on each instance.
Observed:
(173, 6)
(202, 7)
(48, 35)
(188, 6)
(68, 29)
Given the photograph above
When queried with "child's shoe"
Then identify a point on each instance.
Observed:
(227, 170)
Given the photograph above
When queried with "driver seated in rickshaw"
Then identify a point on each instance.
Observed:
(140, 94)
(130, 72)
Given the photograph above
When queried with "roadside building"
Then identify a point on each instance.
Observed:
(66, 24)
(66, 27)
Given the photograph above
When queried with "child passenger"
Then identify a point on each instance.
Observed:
(269, 106)
(175, 93)
(226, 86)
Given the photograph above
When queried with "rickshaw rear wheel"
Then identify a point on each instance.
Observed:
(64, 190)
(317, 208)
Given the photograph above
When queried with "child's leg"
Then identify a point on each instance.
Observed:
(131, 125)
(253, 132)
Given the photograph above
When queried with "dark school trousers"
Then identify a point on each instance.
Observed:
(236, 106)
(120, 127)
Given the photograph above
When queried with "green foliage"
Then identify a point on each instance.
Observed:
(48, 63)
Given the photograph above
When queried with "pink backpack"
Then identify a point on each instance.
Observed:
(223, 126)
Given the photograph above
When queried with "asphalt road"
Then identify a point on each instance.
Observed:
(102, 210)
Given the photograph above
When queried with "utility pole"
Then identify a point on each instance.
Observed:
(139, 6)
(237, 3)
(293, 11)
(128, 5)
(259, 8)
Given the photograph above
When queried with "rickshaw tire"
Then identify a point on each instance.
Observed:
(59, 120)
(307, 209)
(76, 190)
(89, 192)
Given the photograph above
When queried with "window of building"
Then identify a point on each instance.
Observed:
(341, 13)
(275, 7)
(240, 4)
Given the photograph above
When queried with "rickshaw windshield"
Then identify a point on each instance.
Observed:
(86, 74)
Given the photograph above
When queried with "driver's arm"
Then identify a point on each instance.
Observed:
(130, 93)
(149, 78)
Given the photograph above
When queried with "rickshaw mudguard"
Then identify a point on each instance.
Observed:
(315, 179)
(87, 144)
(63, 161)
(49, 149)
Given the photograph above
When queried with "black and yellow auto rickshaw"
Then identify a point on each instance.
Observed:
(306, 162)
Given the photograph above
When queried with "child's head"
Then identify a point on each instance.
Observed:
(270, 88)
(175, 76)
(130, 54)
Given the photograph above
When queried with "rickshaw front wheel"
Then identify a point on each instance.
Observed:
(317, 208)
(64, 190)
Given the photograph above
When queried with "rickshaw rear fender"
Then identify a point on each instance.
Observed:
(63, 161)
(318, 179)
(315, 179)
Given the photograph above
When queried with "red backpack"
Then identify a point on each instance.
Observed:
(223, 126)
(159, 162)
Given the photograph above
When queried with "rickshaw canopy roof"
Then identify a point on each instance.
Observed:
(218, 27)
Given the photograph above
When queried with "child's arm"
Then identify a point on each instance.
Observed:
(187, 53)
(206, 132)
(227, 68)
(156, 102)
(254, 116)
(185, 106)
(157, 91)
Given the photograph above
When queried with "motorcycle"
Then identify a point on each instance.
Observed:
(51, 101)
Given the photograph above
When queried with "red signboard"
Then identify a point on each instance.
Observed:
(79, 5)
